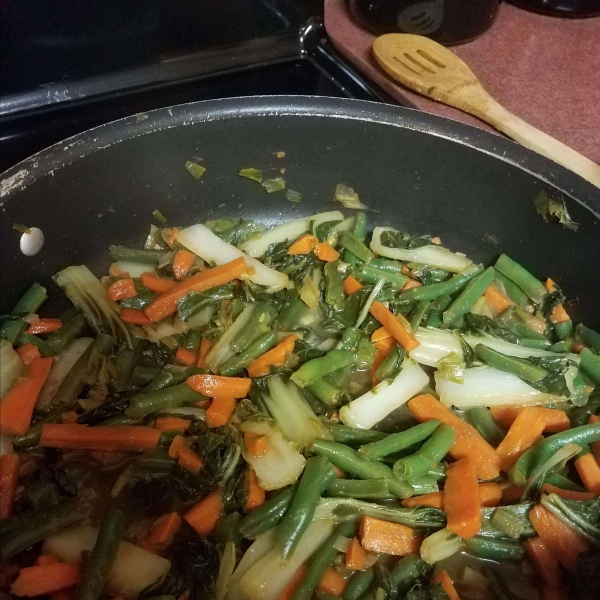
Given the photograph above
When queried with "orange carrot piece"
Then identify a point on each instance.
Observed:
(562, 542)
(132, 316)
(547, 566)
(559, 314)
(490, 494)
(204, 516)
(410, 284)
(215, 385)
(443, 578)
(275, 357)
(166, 303)
(549, 285)
(589, 472)
(44, 326)
(28, 353)
(171, 424)
(45, 559)
(256, 495)
(332, 583)
(595, 446)
(172, 237)
(468, 443)
(462, 503)
(294, 583)
(126, 438)
(351, 285)
(555, 420)
(69, 417)
(385, 345)
(205, 346)
(16, 408)
(326, 252)
(388, 538)
(159, 285)
(379, 357)
(381, 334)
(548, 488)
(355, 556)
(189, 460)
(305, 244)
(45, 579)
(122, 289)
(163, 530)
(220, 410)
(9, 478)
(177, 443)
(511, 492)
(496, 299)
(256, 444)
(182, 263)
(400, 332)
(186, 357)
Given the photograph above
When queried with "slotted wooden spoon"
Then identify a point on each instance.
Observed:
(430, 69)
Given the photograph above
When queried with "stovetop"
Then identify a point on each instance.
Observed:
(67, 67)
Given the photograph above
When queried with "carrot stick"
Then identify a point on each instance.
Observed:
(468, 443)
(381, 334)
(215, 385)
(256, 444)
(186, 357)
(355, 556)
(399, 331)
(385, 345)
(44, 326)
(171, 424)
(16, 408)
(326, 252)
(549, 285)
(351, 285)
(132, 316)
(559, 314)
(388, 538)
(498, 301)
(160, 285)
(511, 492)
(256, 495)
(175, 446)
(294, 583)
(410, 284)
(548, 488)
(462, 503)
(163, 530)
(305, 244)
(204, 516)
(220, 410)
(443, 578)
(121, 289)
(332, 583)
(45, 579)
(189, 460)
(9, 478)
(205, 346)
(275, 357)
(379, 356)
(547, 566)
(182, 263)
(595, 446)
(166, 303)
(127, 438)
(555, 420)
(589, 472)
(28, 353)
(172, 237)
(490, 494)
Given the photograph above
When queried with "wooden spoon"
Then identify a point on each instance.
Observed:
(430, 69)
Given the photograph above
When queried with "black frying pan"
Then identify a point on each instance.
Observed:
(418, 171)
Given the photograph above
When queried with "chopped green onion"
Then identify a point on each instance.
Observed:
(21, 228)
(293, 196)
(347, 197)
(195, 170)
(274, 185)
(159, 217)
(254, 174)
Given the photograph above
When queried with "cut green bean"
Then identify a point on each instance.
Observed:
(267, 516)
(351, 242)
(509, 364)
(435, 290)
(359, 583)
(352, 436)
(564, 330)
(387, 265)
(261, 317)
(438, 472)
(399, 441)
(359, 488)
(406, 572)
(167, 379)
(290, 315)
(349, 339)
(563, 482)
(483, 420)
(28, 338)
(156, 460)
(419, 313)
(172, 397)
(142, 376)
(532, 286)
(512, 290)
(29, 303)
(368, 274)
(496, 549)
(326, 392)
(317, 368)
(32, 437)
(589, 337)
(590, 365)
(71, 330)
(390, 364)
(257, 348)
(334, 286)
(147, 257)
(467, 298)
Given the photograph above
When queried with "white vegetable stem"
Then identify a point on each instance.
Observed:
(203, 242)
(486, 386)
(372, 407)
(131, 269)
(11, 367)
(433, 254)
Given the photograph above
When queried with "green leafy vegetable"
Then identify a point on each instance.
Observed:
(555, 207)
(194, 169)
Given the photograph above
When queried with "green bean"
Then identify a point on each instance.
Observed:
(351, 242)
(350, 339)
(512, 290)
(472, 292)
(509, 364)
(496, 549)
(267, 516)
(172, 397)
(102, 557)
(438, 472)
(257, 326)
(387, 265)
(359, 229)
(424, 485)
(563, 482)
(28, 338)
(257, 348)
(435, 290)
(71, 330)
(439, 305)
(318, 474)
(156, 460)
(406, 572)
(590, 365)
(399, 441)
(317, 368)
(326, 392)
(147, 257)
(34, 526)
(419, 313)
(167, 379)
(483, 420)
(119, 420)
(29, 303)
(359, 488)
(541, 451)
(289, 316)
(192, 340)
(532, 286)
(390, 363)
(334, 287)
(129, 358)
(589, 337)
(32, 436)
(143, 376)
(564, 330)
(194, 302)
(348, 460)
(371, 275)
(140, 300)
(321, 562)
(359, 583)
(351, 436)
(560, 347)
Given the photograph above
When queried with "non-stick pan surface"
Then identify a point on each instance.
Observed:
(415, 171)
